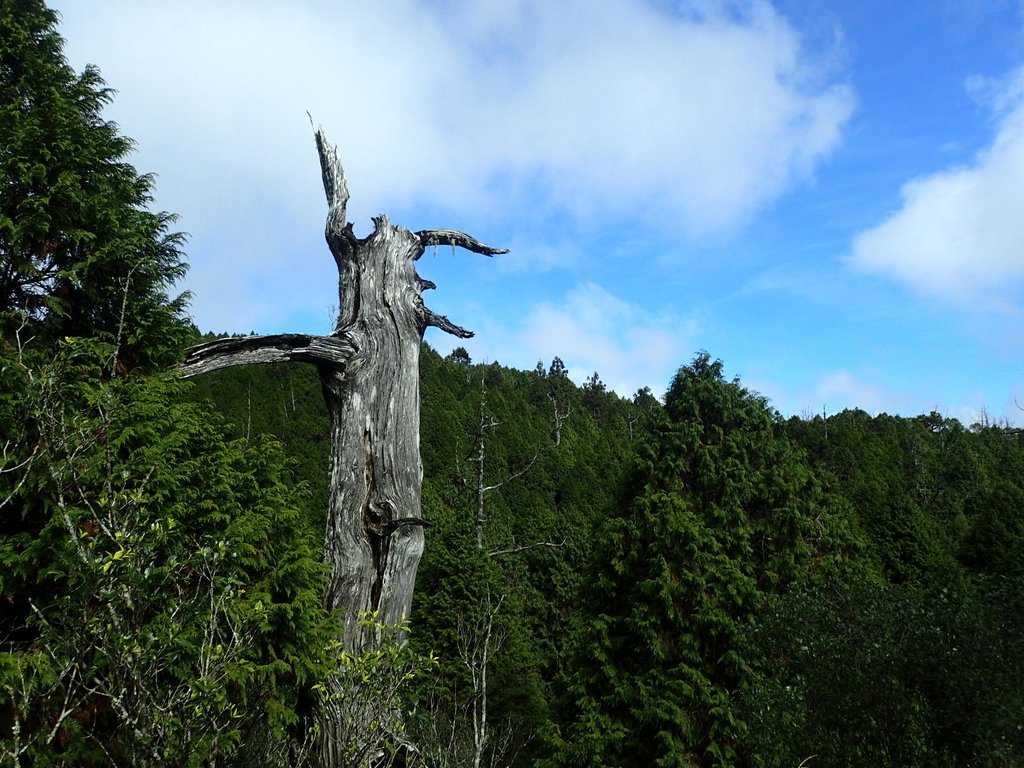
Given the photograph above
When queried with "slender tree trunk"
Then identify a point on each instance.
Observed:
(486, 422)
(369, 371)
(481, 489)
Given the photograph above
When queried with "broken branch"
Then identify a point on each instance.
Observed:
(523, 547)
(276, 348)
(455, 238)
(433, 320)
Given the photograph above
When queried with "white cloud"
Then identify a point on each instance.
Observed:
(841, 389)
(692, 119)
(592, 330)
(831, 392)
(609, 106)
(959, 233)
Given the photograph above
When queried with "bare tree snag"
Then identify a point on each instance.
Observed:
(481, 489)
(369, 371)
(559, 417)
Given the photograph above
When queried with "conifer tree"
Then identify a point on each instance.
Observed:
(160, 596)
(80, 254)
(163, 596)
(722, 510)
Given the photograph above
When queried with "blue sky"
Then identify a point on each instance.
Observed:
(825, 195)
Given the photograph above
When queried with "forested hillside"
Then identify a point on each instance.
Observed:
(699, 582)
(511, 494)
(678, 580)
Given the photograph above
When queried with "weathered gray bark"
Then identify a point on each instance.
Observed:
(369, 371)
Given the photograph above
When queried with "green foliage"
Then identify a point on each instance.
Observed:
(541, 521)
(80, 255)
(567, 488)
(920, 665)
(471, 615)
(994, 509)
(908, 481)
(859, 673)
(721, 512)
(164, 599)
(364, 692)
(161, 594)
(283, 402)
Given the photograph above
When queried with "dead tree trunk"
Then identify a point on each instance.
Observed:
(481, 489)
(486, 422)
(369, 371)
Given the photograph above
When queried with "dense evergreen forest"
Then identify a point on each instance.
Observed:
(680, 579)
(699, 582)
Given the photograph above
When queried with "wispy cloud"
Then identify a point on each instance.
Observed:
(842, 389)
(959, 233)
(835, 391)
(592, 331)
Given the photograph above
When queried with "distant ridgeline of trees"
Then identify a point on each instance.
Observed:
(693, 581)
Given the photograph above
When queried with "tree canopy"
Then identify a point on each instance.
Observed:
(721, 511)
(80, 253)
(162, 593)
